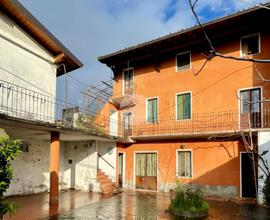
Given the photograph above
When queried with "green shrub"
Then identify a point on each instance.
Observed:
(189, 200)
(9, 150)
(266, 190)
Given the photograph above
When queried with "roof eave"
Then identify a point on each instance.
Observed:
(18, 12)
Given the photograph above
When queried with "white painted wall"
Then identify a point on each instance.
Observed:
(108, 151)
(17, 63)
(32, 169)
(263, 145)
(82, 172)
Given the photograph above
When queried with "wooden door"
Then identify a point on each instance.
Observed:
(146, 171)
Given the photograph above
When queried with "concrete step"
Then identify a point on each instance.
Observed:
(107, 184)
(103, 177)
(100, 173)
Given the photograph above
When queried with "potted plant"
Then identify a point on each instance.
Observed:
(188, 203)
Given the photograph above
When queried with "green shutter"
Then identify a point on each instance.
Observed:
(187, 106)
(180, 107)
(152, 110)
(183, 106)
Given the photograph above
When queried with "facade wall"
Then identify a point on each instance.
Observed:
(29, 68)
(81, 166)
(32, 169)
(214, 89)
(216, 165)
(78, 167)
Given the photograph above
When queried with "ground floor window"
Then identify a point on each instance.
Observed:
(184, 164)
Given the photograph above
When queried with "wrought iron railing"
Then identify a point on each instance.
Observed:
(202, 123)
(23, 103)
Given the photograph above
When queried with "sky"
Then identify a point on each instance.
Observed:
(91, 28)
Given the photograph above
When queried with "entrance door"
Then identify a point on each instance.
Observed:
(247, 176)
(250, 108)
(113, 123)
(120, 169)
(146, 171)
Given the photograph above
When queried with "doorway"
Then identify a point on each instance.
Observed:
(247, 186)
(121, 169)
(146, 171)
(113, 123)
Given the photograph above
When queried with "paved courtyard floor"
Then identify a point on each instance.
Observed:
(36, 206)
(148, 206)
(127, 205)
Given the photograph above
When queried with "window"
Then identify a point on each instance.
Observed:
(183, 106)
(128, 81)
(182, 61)
(152, 110)
(250, 108)
(250, 44)
(250, 100)
(184, 164)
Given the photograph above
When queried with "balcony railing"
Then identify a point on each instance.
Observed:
(203, 123)
(22, 103)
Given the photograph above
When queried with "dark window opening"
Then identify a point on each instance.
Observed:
(183, 61)
(250, 45)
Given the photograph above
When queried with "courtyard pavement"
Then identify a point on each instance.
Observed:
(127, 205)
(148, 206)
(36, 206)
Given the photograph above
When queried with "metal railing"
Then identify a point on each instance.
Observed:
(22, 103)
(107, 162)
(202, 123)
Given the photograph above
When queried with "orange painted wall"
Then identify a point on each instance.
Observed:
(214, 163)
(213, 90)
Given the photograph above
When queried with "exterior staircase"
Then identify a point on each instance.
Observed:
(106, 184)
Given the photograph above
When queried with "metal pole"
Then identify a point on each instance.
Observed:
(66, 85)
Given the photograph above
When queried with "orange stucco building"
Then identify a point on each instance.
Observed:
(177, 124)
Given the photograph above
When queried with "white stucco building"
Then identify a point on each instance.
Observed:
(31, 59)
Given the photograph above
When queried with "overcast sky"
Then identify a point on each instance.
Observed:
(90, 28)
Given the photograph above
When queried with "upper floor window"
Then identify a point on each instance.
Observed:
(184, 163)
(183, 61)
(250, 108)
(250, 44)
(152, 110)
(183, 106)
(128, 85)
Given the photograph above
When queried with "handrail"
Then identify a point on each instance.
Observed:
(106, 161)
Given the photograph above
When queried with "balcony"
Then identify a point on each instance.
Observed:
(126, 99)
(200, 125)
(25, 105)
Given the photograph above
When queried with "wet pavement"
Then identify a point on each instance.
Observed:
(148, 206)
(36, 206)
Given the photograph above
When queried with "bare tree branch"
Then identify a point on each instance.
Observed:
(192, 6)
(259, 73)
(213, 53)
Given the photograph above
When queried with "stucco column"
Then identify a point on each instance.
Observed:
(54, 167)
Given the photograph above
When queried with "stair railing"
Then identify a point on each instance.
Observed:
(107, 162)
